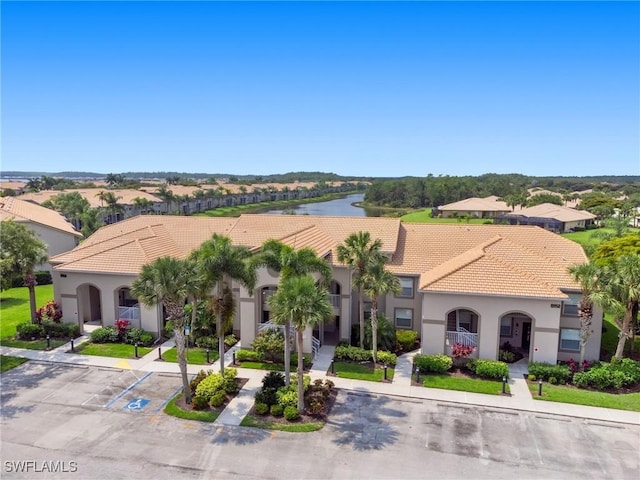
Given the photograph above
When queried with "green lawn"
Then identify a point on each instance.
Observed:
(278, 367)
(475, 385)
(14, 307)
(357, 371)
(256, 422)
(117, 350)
(559, 393)
(32, 345)
(195, 356)
(7, 362)
(199, 415)
(424, 216)
(585, 238)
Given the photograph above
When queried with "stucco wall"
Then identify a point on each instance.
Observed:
(592, 350)
(57, 242)
(545, 324)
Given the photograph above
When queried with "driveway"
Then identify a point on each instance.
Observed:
(96, 418)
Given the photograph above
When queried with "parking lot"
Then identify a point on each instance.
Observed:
(110, 422)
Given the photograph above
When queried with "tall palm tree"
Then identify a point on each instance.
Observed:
(222, 263)
(303, 302)
(166, 195)
(290, 263)
(619, 291)
(359, 252)
(586, 274)
(168, 282)
(378, 281)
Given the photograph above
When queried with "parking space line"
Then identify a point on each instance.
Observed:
(168, 400)
(128, 389)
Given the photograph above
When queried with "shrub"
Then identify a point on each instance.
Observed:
(461, 351)
(387, 358)
(248, 356)
(28, 330)
(230, 373)
(352, 354)
(273, 380)
(193, 384)
(210, 385)
(270, 344)
(306, 360)
(261, 408)
(139, 336)
(506, 356)
(291, 413)
(230, 386)
(43, 277)
(406, 339)
(60, 330)
(315, 407)
(543, 370)
(207, 342)
(267, 396)
(230, 340)
(553, 380)
(438, 363)
(491, 369)
(617, 374)
(104, 335)
(199, 402)
(287, 396)
(51, 311)
(218, 398)
(386, 334)
(531, 378)
(121, 327)
(168, 329)
(276, 410)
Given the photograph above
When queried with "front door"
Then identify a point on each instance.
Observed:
(526, 335)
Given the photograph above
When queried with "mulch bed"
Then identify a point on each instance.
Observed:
(304, 417)
(182, 404)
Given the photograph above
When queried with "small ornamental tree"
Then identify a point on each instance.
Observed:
(121, 327)
(51, 311)
(460, 353)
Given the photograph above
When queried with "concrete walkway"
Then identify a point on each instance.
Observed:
(519, 399)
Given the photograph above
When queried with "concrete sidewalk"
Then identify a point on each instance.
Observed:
(519, 399)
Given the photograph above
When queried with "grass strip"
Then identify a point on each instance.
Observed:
(195, 356)
(357, 371)
(116, 350)
(474, 385)
(7, 362)
(255, 422)
(32, 344)
(198, 415)
(576, 396)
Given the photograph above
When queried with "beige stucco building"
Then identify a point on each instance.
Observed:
(481, 285)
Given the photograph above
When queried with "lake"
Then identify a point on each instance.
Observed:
(340, 207)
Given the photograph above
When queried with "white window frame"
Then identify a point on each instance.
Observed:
(502, 325)
(563, 346)
(409, 317)
(404, 285)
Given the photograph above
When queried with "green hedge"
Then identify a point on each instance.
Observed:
(248, 356)
(490, 369)
(406, 339)
(438, 363)
(545, 371)
(348, 353)
(603, 376)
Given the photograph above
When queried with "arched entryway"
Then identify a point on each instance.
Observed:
(516, 329)
(265, 310)
(127, 306)
(89, 305)
(462, 328)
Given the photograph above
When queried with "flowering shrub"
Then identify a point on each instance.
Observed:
(575, 367)
(50, 311)
(461, 351)
(121, 327)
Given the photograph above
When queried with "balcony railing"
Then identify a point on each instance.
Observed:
(463, 337)
(132, 314)
(334, 300)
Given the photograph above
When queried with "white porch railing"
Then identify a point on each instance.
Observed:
(130, 313)
(269, 324)
(462, 337)
(315, 346)
(334, 300)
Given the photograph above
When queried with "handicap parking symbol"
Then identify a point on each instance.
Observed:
(137, 404)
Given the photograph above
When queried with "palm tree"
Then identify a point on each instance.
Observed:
(586, 274)
(22, 250)
(223, 262)
(113, 207)
(101, 196)
(142, 204)
(378, 281)
(168, 282)
(359, 252)
(290, 263)
(166, 195)
(303, 302)
(619, 291)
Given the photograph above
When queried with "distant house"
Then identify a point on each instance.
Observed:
(475, 207)
(554, 218)
(477, 285)
(51, 227)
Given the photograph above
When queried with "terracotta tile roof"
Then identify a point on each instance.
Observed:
(480, 259)
(557, 212)
(23, 211)
(92, 195)
(475, 204)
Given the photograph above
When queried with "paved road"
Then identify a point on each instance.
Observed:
(79, 414)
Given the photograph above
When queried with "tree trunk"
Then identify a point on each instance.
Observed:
(219, 331)
(300, 372)
(624, 331)
(374, 332)
(30, 282)
(287, 353)
(178, 330)
(361, 311)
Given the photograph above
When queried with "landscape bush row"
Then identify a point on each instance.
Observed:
(35, 331)
(209, 389)
(349, 353)
(122, 333)
(439, 363)
(616, 375)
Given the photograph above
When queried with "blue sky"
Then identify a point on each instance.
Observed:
(363, 88)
